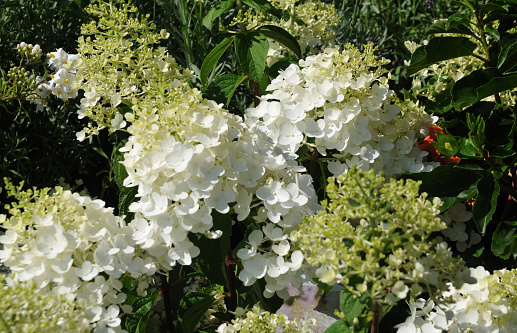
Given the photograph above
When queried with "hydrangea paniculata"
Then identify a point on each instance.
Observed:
(340, 104)
(71, 245)
(489, 305)
(373, 237)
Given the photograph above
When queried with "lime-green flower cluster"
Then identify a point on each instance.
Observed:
(373, 237)
(41, 313)
(311, 23)
(122, 65)
(258, 320)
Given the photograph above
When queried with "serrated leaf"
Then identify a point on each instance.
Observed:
(192, 308)
(251, 49)
(504, 239)
(213, 57)
(136, 322)
(129, 283)
(480, 84)
(126, 197)
(222, 88)
(440, 49)
(486, 201)
(217, 10)
(350, 305)
(283, 37)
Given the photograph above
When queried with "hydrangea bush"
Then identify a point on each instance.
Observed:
(234, 200)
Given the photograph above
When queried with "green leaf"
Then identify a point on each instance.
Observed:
(129, 283)
(251, 49)
(263, 6)
(350, 305)
(278, 66)
(213, 57)
(222, 222)
(211, 259)
(222, 88)
(457, 19)
(504, 239)
(340, 326)
(490, 7)
(192, 307)
(126, 197)
(486, 201)
(119, 170)
(282, 37)
(136, 322)
(508, 55)
(448, 202)
(480, 84)
(446, 180)
(446, 144)
(467, 149)
(216, 11)
(440, 49)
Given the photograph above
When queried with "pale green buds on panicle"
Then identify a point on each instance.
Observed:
(258, 320)
(122, 65)
(26, 309)
(373, 237)
(312, 24)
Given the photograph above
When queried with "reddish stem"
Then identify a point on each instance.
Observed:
(375, 327)
(255, 86)
(231, 281)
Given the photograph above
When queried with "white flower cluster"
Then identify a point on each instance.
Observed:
(62, 83)
(213, 161)
(456, 218)
(334, 102)
(73, 246)
(489, 305)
